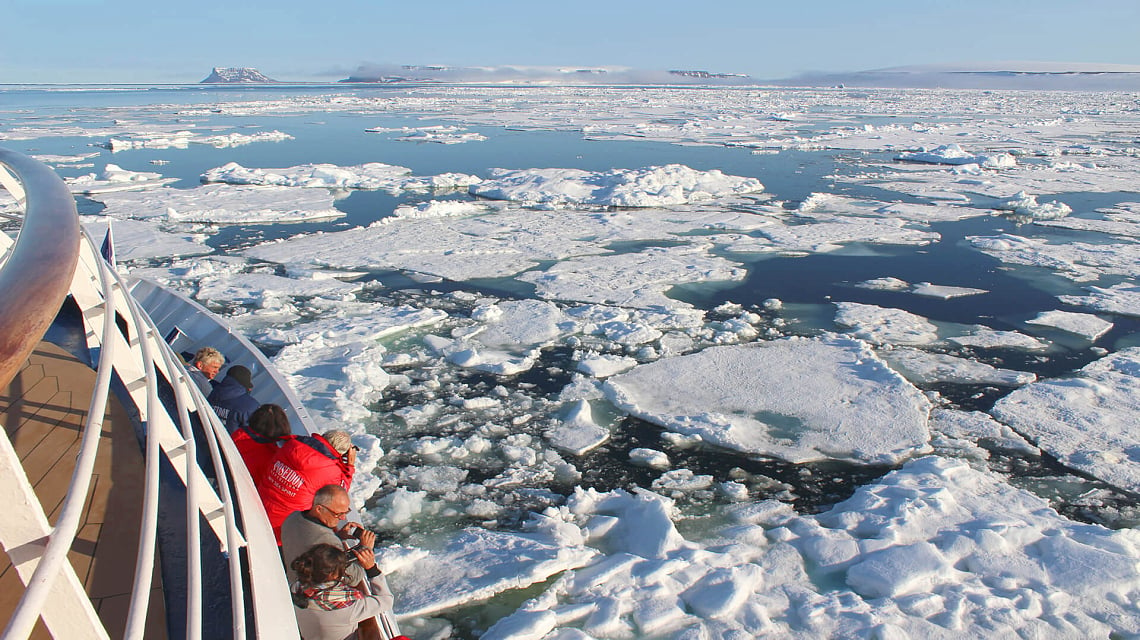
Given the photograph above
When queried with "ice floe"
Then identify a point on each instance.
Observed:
(649, 187)
(1123, 298)
(936, 550)
(1087, 420)
(921, 367)
(116, 178)
(1026, 206)
(222, 205)
(136, 240)
(798, 399)
(954, 154)
(881, 325)
(632, 279)
(183, 139)
(371, 175)
(1081, 324)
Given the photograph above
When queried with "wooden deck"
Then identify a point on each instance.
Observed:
(42, 411)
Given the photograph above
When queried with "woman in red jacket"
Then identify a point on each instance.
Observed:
(302, 465)
(258, 442)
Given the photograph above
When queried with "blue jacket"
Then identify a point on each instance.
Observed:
(233, 404)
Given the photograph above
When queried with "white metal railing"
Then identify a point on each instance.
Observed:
(137, 360)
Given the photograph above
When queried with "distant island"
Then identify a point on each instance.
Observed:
(236, 75)
(383, 73)
(980, 75)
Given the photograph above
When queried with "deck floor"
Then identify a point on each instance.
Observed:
(43, 410)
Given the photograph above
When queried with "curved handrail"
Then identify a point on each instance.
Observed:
(37, 275)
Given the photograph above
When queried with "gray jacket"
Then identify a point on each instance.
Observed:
(299, 534)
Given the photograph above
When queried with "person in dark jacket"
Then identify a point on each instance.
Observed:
(231, 399)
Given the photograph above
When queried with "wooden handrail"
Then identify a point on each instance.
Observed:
(36, 277)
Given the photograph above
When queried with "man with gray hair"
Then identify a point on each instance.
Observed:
(206, 364)
(303, 529)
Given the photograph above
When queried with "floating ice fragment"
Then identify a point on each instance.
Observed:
(577, 433)
(1026, 206)
(798, 399)
(650, 187)
(954, 154)
(944, 292)
(925, 368)
(1123, 298)
(1088, 421)
(116, 178)
(881, 325)
(1081, 324)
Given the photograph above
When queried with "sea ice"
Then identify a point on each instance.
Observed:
(265, 290)
(116, 178)
(986, 338)
(880, 325)
(632, 279)
(1088, 420)
(1026, 206)
(1081, 324)
(184, 138)
(943, 291)
(921, 367)
(954, 154)
(136, 240)
(649, 187)
(798, 399)
(508, 338)
(476, 564)
(1123, 298)
(371, 175)
(577, 432)
(1080, 261)
(936, 549)
(222, 204)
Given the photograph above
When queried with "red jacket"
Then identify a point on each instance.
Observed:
(255, 450)
(300, 467)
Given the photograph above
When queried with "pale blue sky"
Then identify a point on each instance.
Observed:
(159, 41)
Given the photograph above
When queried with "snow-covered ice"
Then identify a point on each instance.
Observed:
(1087, 420)
(221, 204)
(650, 187)
(954, 154)
(1085, 325)
(798, 399)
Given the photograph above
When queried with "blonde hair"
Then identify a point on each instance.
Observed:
(340, 440)
(209, 354)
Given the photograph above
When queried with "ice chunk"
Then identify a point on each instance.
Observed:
(632, 279)
(881, 325)
(650, 187)
(921, 367)
(222, 204)
(944, 291)
(1024, 205)
(1123, 298)
(798, 399)
(577, 433)
(954, 154)
(476, 564)
(1088, 421)
(1081, 324)
(116, 178)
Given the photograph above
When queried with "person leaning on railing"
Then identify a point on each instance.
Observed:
(259, 441)
(327, 608)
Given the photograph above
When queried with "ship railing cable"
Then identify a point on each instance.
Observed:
(137, 359)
